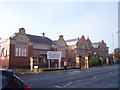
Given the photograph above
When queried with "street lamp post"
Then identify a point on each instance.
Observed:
(118, 38)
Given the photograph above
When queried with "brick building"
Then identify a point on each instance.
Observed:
(84, 47)
(17, 50)
(61, 45)
(72, 51)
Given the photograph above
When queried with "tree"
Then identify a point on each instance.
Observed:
(95, 61)
(92, 61)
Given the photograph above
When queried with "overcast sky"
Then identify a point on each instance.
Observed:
(98, 20)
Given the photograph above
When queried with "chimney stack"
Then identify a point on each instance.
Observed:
(43, 34)
(22, 30)
(61, 37)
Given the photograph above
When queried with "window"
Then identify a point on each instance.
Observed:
(17, 52)
(72, 53)
(83, 50)
(4, 52)
(21, 51)
(83, 46)
(25, 52)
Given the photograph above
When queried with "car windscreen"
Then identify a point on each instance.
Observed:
(3, 81)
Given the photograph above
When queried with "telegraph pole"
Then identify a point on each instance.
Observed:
(118, 38)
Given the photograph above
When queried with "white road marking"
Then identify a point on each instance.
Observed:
(67, 84)
(72, 82)
(94, 77)
(57, 86)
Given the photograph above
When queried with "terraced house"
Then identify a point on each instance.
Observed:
(16, 51)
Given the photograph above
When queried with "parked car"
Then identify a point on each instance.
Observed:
(8, 80)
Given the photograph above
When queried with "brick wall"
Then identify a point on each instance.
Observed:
(19, 62)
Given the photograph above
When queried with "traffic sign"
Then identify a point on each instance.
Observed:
(113, 53)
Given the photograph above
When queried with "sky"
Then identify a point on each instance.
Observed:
(72, 19)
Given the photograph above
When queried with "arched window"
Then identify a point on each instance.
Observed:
(3, 52)
(83, 50)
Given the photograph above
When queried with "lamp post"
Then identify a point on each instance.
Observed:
(118, 38)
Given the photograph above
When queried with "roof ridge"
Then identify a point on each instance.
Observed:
(75, 39)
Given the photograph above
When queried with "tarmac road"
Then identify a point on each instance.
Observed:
(96, 77)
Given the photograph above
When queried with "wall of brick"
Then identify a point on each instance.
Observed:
(19, 62)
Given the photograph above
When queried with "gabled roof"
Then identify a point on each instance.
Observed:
(39, 39)
(55, 42)
(12, 36)
(82, 38)
(88, 40)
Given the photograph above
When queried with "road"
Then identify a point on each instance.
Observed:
(96, 77)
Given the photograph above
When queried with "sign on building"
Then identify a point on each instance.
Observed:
(54, 55)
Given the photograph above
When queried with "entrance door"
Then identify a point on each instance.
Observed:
(43, 61)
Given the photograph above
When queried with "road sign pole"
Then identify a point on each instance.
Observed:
(59, 63)
(54, 55)
(48, 63)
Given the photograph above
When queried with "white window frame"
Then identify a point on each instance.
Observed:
(21, 52)
(16, 52)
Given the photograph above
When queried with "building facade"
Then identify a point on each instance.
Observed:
(83, 48)
(117, 53)
(16, 50)
(23, 50)
(72, 48)
(61, 45)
